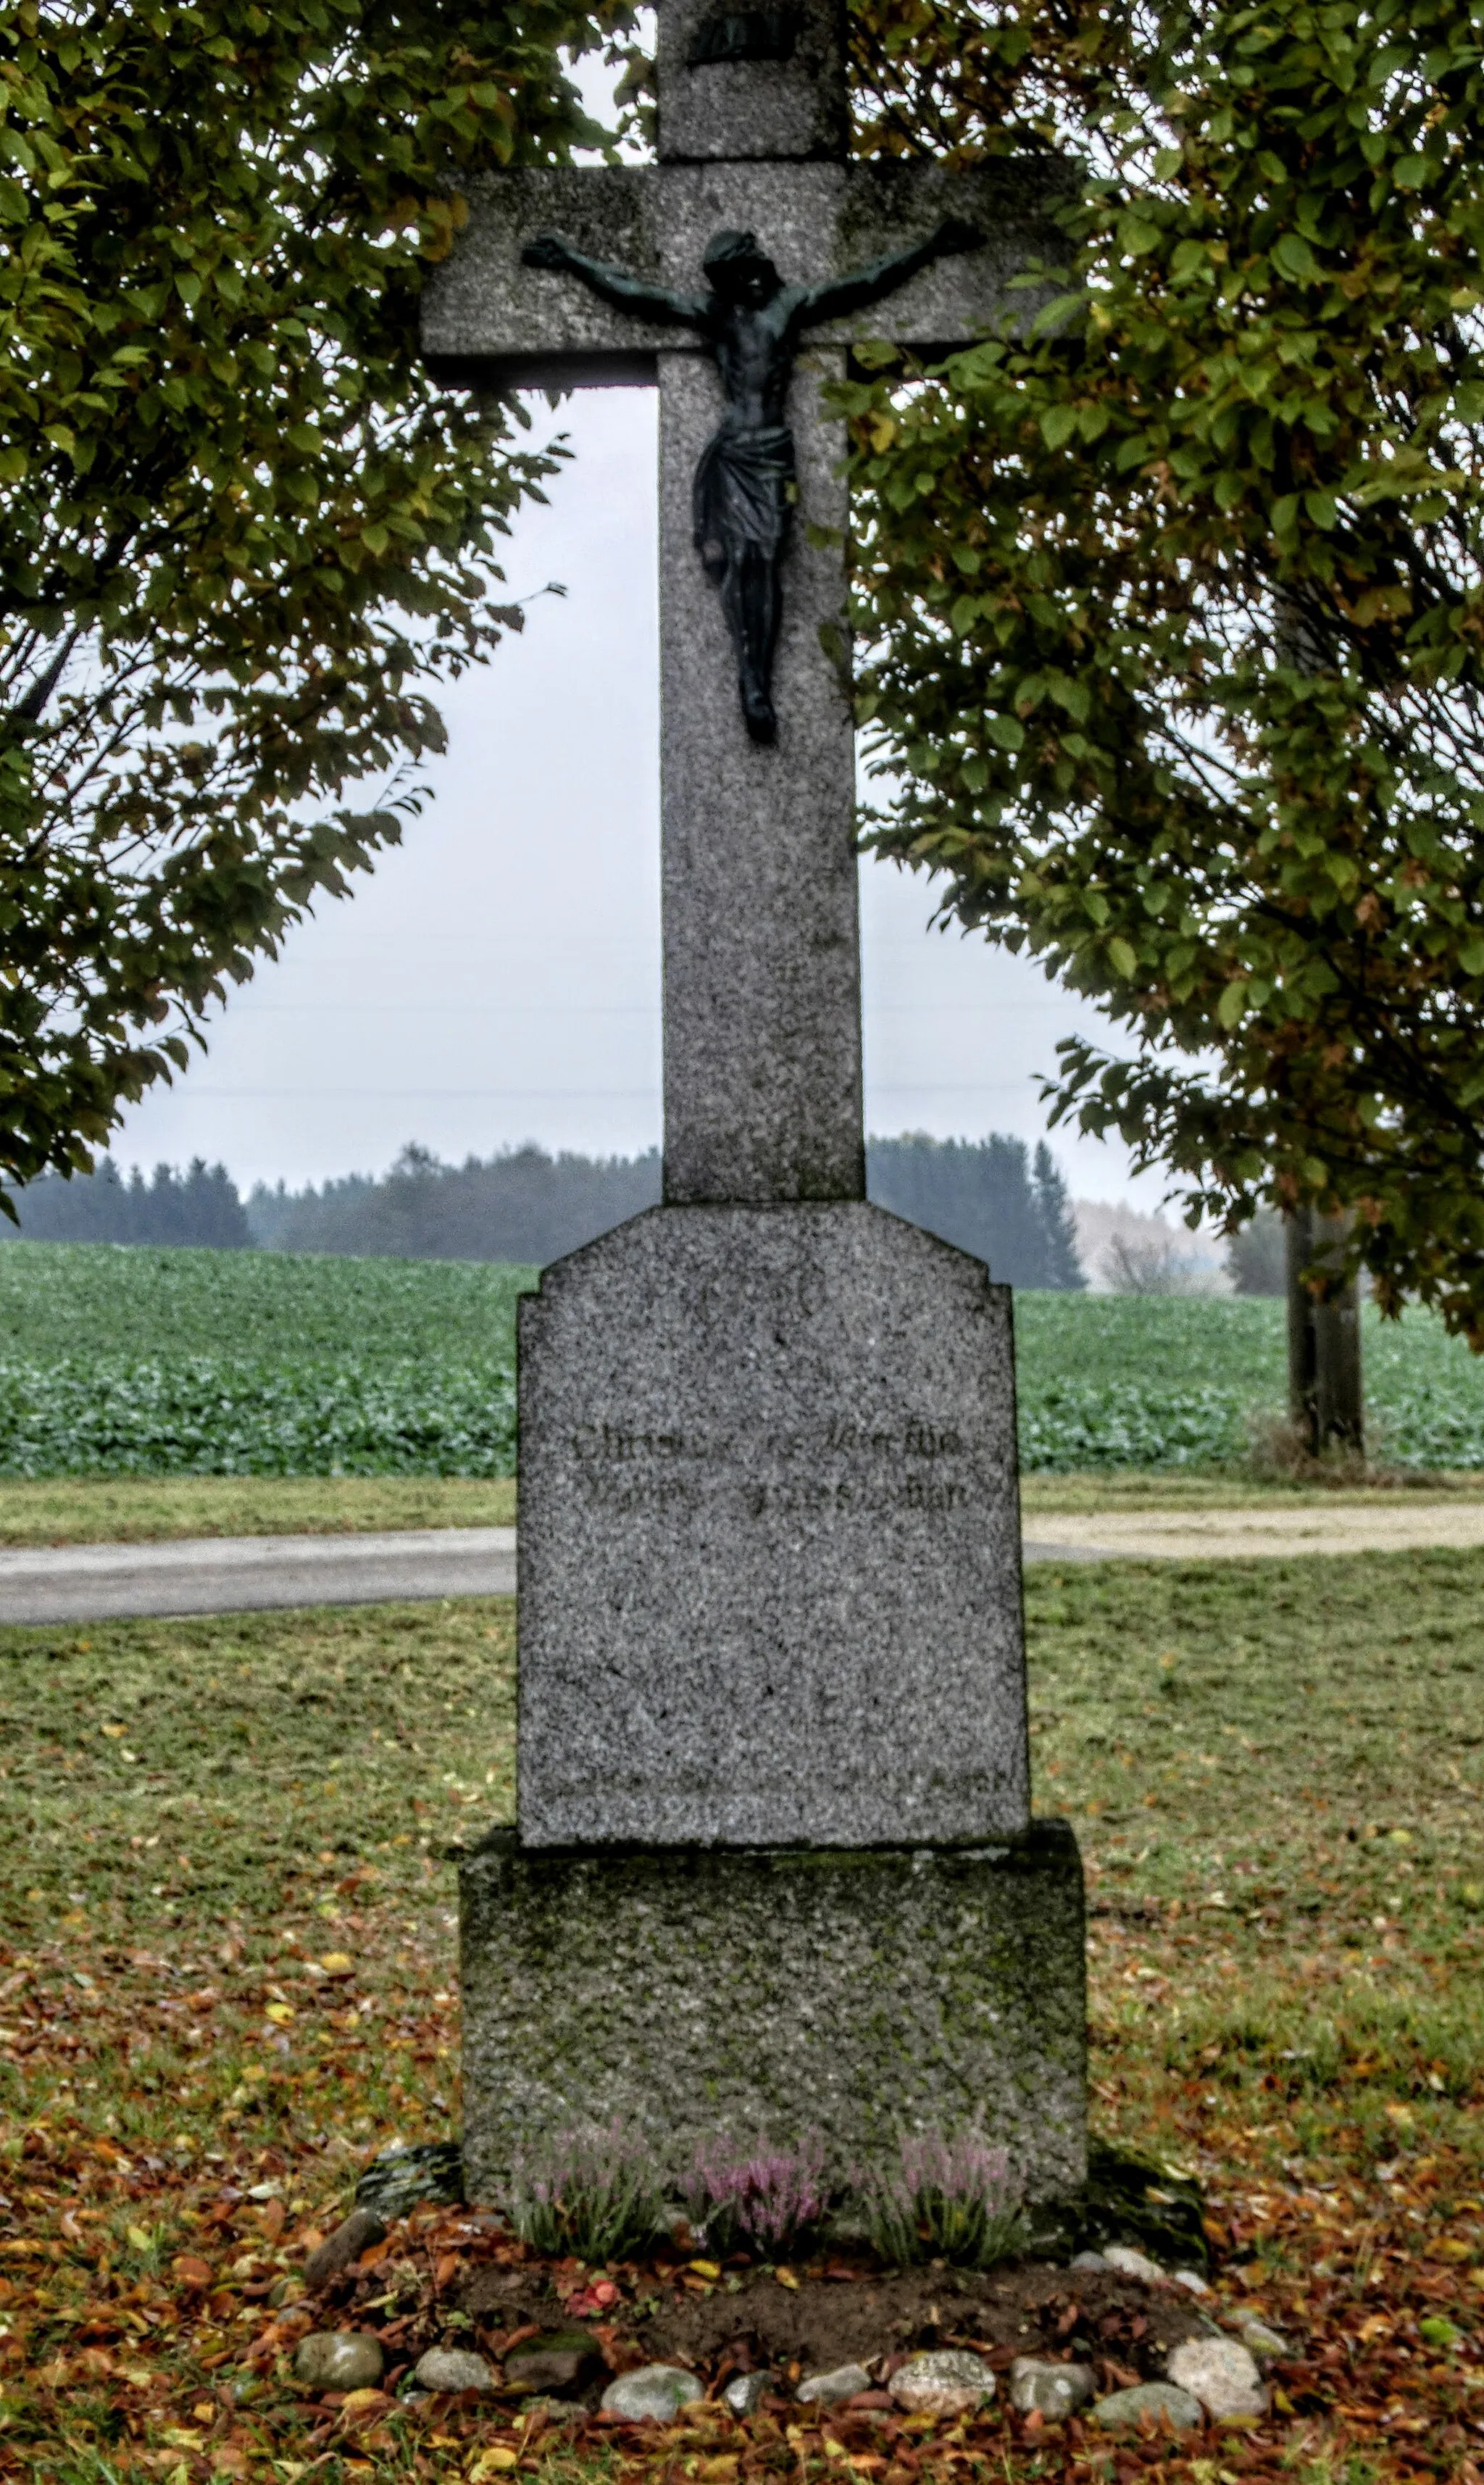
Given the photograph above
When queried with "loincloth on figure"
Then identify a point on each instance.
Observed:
(743, 496)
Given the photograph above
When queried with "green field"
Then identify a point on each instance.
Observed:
(145, 1362)
(137, 1362)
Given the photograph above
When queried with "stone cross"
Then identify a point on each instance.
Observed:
(774, 1870)
(762, 971)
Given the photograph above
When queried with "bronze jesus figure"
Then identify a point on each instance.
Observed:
(745, 486)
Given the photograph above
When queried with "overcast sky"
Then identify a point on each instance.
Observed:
(498, 979)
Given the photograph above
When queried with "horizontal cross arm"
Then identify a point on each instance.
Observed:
(490, 319)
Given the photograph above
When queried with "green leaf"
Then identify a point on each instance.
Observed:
(1135, 235)
(1007, 732)
(1232, 1004)
(1058, 424)
(1124, 959)
(1292, 257)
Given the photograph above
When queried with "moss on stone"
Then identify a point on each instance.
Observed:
(780, 1992)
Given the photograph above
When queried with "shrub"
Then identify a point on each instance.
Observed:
(766, 2202)
(952, 2199)
(592, 2193)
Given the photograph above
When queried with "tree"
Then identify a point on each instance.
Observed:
(525, 1206)
(200, 1207)
(1064, 1270)
(1131, 1266)
(1256, 1257)
(1174, 605)
(522, 1206)
(242, 530)
(980, 1194)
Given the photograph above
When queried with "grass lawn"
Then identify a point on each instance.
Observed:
(104, 1510)
(229, 1961)
(101, 1510)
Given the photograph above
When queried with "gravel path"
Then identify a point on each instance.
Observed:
(1400, 1526)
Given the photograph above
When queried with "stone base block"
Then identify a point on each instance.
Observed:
(777, 1993)
(769, 1544)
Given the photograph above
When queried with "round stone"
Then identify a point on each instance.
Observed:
(1038, 2388)
(1088, 2260)
(826, 2389)
(946, 2382)
(1133, 2264)
(1221, 2373)
(654, 2395)
(1265, 2344)
(350, 2239)
(1160, 2401)
(745, 2393)
(453, 2369)
(338, 2360)
(553, 2361)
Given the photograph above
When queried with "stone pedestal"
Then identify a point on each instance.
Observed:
(784, 1993)
(768, 1568)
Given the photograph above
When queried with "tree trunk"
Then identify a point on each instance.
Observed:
(1324, 1395)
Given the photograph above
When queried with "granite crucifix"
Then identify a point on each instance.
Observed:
(774, 1866)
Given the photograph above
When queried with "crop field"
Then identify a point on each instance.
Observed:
(150, 1362)
(140, 1362)
(1119, 1380)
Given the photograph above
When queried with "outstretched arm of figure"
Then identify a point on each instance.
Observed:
(840, 295)
(615, 285)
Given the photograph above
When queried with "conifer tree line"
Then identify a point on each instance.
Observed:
(991, 1196)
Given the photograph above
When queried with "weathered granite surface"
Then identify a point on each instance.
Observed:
(490, 319)
(769, 1565)
(762, 951)
(709, 106)
(782, 1995)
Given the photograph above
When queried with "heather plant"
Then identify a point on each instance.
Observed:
(767, 2204)
(947, 2199)
(592, 2192)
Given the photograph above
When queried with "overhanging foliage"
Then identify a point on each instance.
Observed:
(1174, 609)
(242, 530)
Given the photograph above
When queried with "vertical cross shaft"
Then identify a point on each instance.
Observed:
(761, 938)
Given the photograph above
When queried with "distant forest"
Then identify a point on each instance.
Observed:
(990, 1196)
(198, 1206)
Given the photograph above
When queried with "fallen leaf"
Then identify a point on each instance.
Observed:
(337, 1962)
(190, 2271)
(357, 2402)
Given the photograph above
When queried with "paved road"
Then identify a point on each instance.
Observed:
(224, 1575)
(233, 1574)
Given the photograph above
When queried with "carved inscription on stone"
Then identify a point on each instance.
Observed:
(837, 1466)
